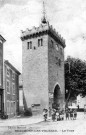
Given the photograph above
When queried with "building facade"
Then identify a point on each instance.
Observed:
(81, 102)
(21, 106)
(2, 40)
(11, 89)
(43, 68)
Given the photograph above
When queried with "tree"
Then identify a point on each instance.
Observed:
(75, 78)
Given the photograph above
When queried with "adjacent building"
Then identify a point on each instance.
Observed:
(43, 68)
(21, 106)
(2, 40)
(11, 89)
(9, 86)
(81, 102)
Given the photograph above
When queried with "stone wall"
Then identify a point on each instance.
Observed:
(56, 69)
(35, 74)
(43, 67)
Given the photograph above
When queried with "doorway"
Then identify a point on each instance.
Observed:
(56, 97)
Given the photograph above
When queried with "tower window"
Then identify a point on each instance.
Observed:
(34, 48)
(57, 47)
(29, 45)
(59, 62)
(52, 44)
(61, 51)
(40, 42)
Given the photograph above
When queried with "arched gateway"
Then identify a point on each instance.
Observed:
(57, 97)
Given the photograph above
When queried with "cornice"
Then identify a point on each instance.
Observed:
(40, 31)
(2, 39)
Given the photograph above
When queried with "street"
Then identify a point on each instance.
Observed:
(66, 127)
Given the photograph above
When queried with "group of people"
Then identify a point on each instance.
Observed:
(71, 114)
(58, 115)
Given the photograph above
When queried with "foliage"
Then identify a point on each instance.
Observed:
(75, 77)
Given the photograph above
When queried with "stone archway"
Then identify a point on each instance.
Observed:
(57, 97)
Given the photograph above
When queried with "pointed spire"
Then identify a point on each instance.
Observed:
(44, 14)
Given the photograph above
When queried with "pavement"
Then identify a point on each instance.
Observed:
(9, 126)
(19, 121)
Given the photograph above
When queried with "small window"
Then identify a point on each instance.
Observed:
(34, 48)
(29, 45)
(61, 51)
(8, 72)
(56, 60)
(8, 86)
(59, 62)
(51, 43)
(13, 75)
(13, 88)
(57, 47)
(40, 42)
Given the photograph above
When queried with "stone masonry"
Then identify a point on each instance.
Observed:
(43, 68)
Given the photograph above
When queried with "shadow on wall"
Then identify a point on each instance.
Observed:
(27, 111)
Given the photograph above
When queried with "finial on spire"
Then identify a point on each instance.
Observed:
(44, 14)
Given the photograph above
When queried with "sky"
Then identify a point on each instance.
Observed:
(68, 17)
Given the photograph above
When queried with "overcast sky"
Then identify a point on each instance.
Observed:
(68, 17)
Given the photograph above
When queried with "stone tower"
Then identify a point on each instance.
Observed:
(43, 68)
